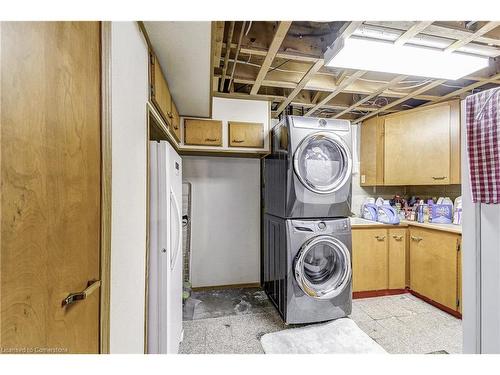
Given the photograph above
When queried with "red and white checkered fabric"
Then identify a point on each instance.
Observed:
(483, 134)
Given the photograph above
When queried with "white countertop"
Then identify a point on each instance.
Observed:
(357, 222)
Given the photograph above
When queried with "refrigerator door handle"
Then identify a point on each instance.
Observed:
(174, 253)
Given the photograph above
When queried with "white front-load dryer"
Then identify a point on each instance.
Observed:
(309, 171)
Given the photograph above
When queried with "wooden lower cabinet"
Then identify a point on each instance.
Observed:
(434, 265)
(428, 261)
(369, 259)
(397, 258)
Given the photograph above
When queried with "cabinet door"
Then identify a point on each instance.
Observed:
(369, 259)
(433, 265)
(246, 134)
(160, 95)
(397, 258)
(417, 147)
(175, 126)
(202, 132)
(372, 152)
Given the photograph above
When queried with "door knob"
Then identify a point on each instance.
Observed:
(92, 286)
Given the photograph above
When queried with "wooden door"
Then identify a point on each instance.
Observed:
(397, 258)
(160, 94)
(50, 172)
(203, 132)
(246, 134)
(433, 265)
(176, 123)
(417, 147)
(459, 276)
(372, 152)
(369, 259)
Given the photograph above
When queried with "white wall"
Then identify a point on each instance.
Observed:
(225, 219)
(128, 222)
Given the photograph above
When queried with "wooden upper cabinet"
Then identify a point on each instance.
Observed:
(202, 132)
(417, 147)
(372, 152)
(421, 146)
(246, 134)
(434, 265)
(159, 93)
(175, 124)
(369, 259)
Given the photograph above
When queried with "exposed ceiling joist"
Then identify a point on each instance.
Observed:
(437, 30)
(226, 58)
(281, 55)
(399, 101)
(335, 92)
(314, 84)
(278, 38)
(389, 84)
(466, 88)
(217, 39)
(349, 29)
(305, 79)
(316, 97)
(417, 28)
(488, 26)
(235, 61)
(338, 107)
(292, 74)
(240, 95)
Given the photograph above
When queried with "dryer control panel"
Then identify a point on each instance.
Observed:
(322, 226)
(319, 123)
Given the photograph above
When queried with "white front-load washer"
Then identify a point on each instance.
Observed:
(307, 268)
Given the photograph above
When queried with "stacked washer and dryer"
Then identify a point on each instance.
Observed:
(307, 271)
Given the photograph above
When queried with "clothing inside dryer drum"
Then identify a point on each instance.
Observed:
(321, 163)
(323, 264)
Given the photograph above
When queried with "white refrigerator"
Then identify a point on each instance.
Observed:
(165, 250)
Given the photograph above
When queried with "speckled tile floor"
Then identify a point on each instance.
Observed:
(233, 320)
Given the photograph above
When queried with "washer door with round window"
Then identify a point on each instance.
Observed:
(323, 267)
(323, 162)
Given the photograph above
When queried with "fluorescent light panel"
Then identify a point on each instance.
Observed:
(381, 56)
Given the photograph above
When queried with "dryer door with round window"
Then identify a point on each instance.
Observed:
(323, 267)
(323, 162)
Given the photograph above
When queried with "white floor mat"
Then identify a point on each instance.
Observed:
(341, 336)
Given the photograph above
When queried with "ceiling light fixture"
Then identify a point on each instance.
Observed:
(383, 56)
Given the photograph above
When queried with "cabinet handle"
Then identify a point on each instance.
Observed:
(169, 114)
(438, 177)
(397, 238)
(414, 238)
(238, 140)
(211, 139)
(176, 127)
(380, 238)
(92, 286)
